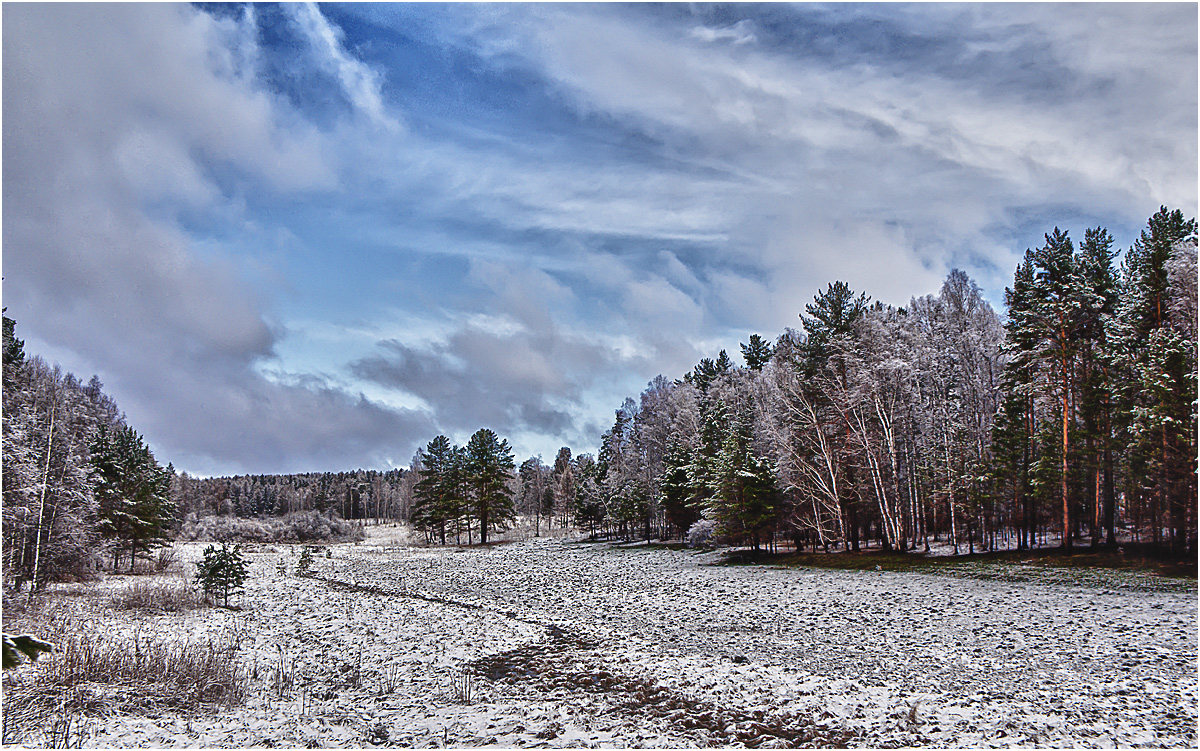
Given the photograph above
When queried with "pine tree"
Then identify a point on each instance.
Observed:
(1061, 300)
(1151, 377)
(488, 468)
(222, 572)
(757, 352)
(438, 495)
(1096, 376)
(831, 315)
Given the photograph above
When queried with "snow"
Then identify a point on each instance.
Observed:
(572, 644)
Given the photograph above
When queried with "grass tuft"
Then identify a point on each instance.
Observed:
(157, 596)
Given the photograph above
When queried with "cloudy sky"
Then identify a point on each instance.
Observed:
(304, 238)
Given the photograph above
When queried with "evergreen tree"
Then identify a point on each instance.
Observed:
(588, 499)
(757, 352)
(1061, 301)
(488, 467)
(1096, 376)
(548, 502)
(831, 315)
(132, 491)
(222, 572)
(708, 370)
(676, 487)
(1154, 365)
(438, 495)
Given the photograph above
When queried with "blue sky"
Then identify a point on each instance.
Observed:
(309, 237)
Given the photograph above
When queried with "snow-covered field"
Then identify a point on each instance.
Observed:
(556, 643)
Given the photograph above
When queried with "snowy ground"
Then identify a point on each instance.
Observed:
(554, 643)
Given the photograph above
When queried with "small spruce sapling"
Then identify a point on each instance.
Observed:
(304, 567)
(222, 572)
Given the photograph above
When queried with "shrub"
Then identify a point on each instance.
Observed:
(701, 533)
(222, 572)
(299, 526)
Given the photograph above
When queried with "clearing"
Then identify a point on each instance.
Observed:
(550, 643)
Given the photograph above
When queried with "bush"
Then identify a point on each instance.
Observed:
(222, 572)
(701, 534)
(299, 526)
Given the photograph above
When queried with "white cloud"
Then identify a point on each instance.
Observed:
(359, 81)
(741, 32)
(111, 113)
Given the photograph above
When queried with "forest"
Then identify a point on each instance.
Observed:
(1069, 421)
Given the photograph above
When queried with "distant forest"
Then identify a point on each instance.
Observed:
(1071, 421)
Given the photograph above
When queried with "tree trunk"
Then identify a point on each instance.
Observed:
(37, 548)
(1066, 444)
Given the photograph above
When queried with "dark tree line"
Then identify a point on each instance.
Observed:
(80, 486)
(369, 495)
(1072, 420)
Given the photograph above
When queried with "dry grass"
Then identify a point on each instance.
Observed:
(183, 675)
(93, 672)
(166, 597)
(48, 704)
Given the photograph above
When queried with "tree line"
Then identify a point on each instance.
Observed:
(1072, 420)
(80, 486)
(365, 494)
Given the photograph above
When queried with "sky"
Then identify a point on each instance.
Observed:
(306, 238)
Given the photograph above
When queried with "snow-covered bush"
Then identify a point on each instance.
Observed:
(701, 534)
(299, 526)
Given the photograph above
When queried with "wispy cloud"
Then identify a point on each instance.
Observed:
(359, 81)
(741, 32)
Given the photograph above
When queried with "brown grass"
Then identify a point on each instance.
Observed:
(182, 675)
(166, 597)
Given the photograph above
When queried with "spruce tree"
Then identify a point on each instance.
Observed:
(676, 487)
(132, 491)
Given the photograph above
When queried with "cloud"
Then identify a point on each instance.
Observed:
(360, 83)
(116, 119)
(533, 209)
(514, 369)
(739, 33)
